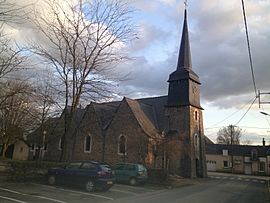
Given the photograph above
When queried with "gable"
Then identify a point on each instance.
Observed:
(158, 104)
(144, 121)
(105, 112)
(90, 119)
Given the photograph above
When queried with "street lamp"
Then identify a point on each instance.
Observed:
(43, 143)
(264, 113)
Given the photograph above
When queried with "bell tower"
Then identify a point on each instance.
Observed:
(184, 113)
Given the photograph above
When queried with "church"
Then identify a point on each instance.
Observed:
(160, 132)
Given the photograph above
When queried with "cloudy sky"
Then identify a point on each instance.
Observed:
(219, 57)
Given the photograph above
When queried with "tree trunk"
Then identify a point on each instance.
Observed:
(4, 150)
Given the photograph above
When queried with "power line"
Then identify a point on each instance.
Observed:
(250, 127)
(243, 106)
(246, 111)
(249, 50)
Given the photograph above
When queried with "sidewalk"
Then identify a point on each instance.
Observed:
(267, 178)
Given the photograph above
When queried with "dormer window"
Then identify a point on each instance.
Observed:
(225, 152)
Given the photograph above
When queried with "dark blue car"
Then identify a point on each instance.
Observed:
(89, 174)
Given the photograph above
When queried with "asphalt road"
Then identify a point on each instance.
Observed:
(215, 189)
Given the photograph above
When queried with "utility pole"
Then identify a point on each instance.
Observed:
(260, 98)
(231, 132)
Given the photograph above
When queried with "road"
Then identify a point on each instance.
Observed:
(216, 189)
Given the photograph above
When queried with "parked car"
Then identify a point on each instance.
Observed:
(130, 173)
(90, 174)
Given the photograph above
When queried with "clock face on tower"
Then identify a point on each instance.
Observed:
(194, 89)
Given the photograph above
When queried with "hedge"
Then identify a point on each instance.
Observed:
(24, 170)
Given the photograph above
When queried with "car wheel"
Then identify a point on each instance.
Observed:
(90, 186)
(51, 180)
(133, 181)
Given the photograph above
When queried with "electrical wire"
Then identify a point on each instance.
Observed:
(243, 106)
(241, 126)
(249, 50)
(246, 112)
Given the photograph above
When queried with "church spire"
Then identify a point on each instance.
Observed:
(184, 57)
(184, 82)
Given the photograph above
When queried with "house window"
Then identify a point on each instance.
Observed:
(122, 145)
(60, 144)
(225, 152)
(262, 167)
(225, 164)
(87, 143)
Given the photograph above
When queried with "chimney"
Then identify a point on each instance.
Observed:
(263, 142)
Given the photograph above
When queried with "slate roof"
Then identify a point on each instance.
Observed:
(144, 114)
(149, 112)
(237, 150)
(78, 114)
(49, 125)
(158, 104)
(105, 112)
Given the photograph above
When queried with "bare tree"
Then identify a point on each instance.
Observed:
(229, 135)
(246, 142)
(83, 40)
(15, 114)
(11, 58)
(11, 12)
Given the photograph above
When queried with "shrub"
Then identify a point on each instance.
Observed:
(25, 170)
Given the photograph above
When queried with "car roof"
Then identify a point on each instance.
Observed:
(85, 161)
(128, 163)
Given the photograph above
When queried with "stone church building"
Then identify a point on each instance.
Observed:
(160, 132)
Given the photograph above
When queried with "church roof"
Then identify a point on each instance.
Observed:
(184, 65)
(149, 112)
(105, 112)
(145, 116)
(158, 104)
(184, 57)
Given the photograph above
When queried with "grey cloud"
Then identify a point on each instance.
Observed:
(219, 51)
(148, 35)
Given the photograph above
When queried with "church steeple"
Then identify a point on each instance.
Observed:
(184, 57)
(184, 82)
(184, 114)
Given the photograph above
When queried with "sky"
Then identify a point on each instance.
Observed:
(219, 56)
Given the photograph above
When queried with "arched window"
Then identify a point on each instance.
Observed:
(122, 145)
(87, 143)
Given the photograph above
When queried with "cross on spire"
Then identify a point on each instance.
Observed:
(186, 4)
